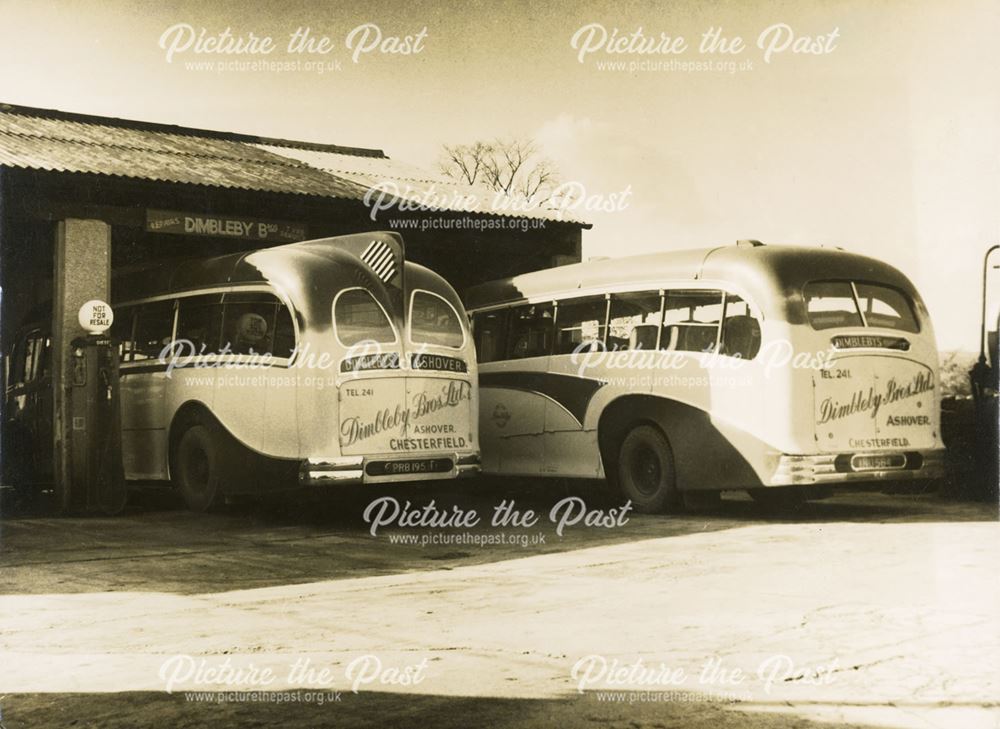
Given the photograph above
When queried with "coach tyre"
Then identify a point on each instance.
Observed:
(646, 473)
(198, 466)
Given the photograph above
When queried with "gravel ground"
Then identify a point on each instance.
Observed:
(865, 609)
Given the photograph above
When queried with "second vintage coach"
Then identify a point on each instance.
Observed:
(685, 374)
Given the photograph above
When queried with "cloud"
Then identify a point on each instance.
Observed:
(608, 160)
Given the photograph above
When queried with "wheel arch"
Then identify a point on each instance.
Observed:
(187, 414)
(194, 411)
(703, 457)
(618, 418)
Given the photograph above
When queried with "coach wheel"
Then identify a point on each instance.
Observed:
(646, 472)
(198, 467)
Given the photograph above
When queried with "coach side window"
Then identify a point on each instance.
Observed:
(740, 329)
(154, 328)
(257, 323)
(199, 321)
(30, 359)
(635, 320)
(15, 378)
(28, 355)
(33, 360)
(580, 323)
(11, 376)
(491, 334)
(691, 320)
(530, 331)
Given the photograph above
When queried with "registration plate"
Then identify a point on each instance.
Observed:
(889, 462)
(409, 467)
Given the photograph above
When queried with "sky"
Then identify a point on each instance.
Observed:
(886, 141)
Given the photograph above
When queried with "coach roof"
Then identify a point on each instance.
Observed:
(777, 269)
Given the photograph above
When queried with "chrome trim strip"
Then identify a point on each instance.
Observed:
(351, 469)
(803, 470)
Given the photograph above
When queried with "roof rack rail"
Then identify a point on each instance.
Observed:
(748, 243)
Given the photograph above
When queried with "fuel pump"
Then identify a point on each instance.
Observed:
(97, 479)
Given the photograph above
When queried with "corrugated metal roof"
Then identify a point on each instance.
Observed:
(64, 142)
(61, 145)
(349, 164)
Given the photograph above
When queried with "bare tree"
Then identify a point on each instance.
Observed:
(514, 167)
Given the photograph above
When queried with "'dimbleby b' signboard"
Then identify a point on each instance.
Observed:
(96, 316)
(223, 226)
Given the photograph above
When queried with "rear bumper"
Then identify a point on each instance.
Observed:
(822, 468)
(362, 469)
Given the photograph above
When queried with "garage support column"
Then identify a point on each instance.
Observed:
(82, 272)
